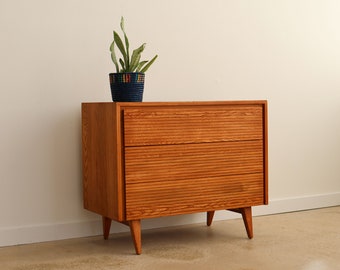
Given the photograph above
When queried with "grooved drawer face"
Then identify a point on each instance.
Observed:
(169, 162)
(153, 126)
(184, 196)
(189, 160)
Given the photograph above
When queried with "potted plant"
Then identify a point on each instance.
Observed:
(127, 84)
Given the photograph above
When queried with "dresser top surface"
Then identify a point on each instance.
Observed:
(180, 103)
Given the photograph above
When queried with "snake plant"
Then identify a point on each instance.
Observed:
(128, 63)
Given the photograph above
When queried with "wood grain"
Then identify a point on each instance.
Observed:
(183, 196)
(173, 125)
(170, 162)
(101, 154)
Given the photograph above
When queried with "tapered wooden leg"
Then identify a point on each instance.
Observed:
(210, 216)
(106, 227)
(135, 229)
(247, 219)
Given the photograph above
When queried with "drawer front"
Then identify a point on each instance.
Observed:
(178, 125)
(176, 179)
(185, 196)
(168, 162)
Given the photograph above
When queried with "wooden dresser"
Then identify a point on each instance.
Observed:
(153, 159)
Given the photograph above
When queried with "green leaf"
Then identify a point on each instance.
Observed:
(113, 56)
(122, 64)
(149, 64)
(140, 65)
(120, 45)
(127, 45)
(135, 63)
(135, 58)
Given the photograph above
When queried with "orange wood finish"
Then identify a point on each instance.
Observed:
(152, 159)
(135, 229)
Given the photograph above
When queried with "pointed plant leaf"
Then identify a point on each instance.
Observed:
(113, 56)
(134, 64)
(122, 64)
(140, 65)
(127, 50)
(120, 45)
(127, 45)
(112, 46)
(149, 64)
(122, 23)
(136, 55)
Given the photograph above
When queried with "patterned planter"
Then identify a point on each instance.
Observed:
(127, 86)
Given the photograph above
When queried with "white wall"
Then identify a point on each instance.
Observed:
(54, 55)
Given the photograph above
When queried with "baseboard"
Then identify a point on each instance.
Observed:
(51, 232)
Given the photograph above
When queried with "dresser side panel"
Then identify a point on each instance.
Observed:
(265, 151)
(102, 186)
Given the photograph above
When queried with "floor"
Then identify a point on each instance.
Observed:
(307, 240)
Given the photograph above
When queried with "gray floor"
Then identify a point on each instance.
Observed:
(307, 240)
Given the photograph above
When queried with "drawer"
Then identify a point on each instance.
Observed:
(183, 124)
(168, 162)
(184, 196)
(172, 179)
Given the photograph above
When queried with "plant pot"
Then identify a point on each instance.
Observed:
(127, 86)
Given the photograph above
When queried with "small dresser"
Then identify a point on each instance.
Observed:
(152, 159)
